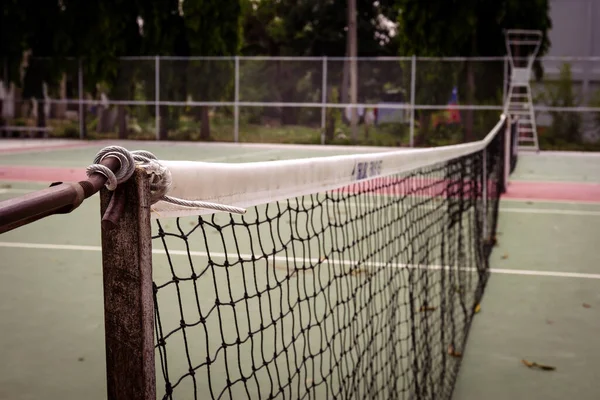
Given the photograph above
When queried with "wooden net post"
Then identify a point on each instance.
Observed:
(128, 291)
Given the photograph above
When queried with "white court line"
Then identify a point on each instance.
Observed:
(550, 211)
(557, 274)
(7, 190)
(527, 200)
(591, 154)
(544, 179)
(240, 156)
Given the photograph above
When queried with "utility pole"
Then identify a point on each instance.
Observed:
(351, 38)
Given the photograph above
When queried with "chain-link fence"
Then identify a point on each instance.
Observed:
(401, 101)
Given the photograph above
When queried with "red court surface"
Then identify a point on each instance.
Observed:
(41, 174)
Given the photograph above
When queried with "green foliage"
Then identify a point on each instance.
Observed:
(435, 28)
(469, 28)
(333, 116)
(566, 126)
(212, 26)
(13, 26)
(595, 102)
(100, 31)
(518, 14)
(309, 28)
(314, 27)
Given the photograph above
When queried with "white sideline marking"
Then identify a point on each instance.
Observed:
(2, 191)
(550, 211)
(240, 156)
(544, 179)
(591, 154)
(557, 274)
(549, 201)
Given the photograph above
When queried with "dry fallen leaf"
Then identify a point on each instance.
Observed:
(452, 351)
(543, 367)
(477, 308)
(504, 256)
(359, 271)
(426, 308)
(491, 241)
(586, 305)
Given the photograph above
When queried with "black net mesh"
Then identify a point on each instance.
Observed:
(364, 292)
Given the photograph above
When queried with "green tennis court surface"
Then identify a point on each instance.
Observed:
(541, 304)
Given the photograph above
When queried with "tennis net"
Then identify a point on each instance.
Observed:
(346, 277)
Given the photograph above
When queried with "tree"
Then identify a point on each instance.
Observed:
(164, 34)
(311, 28)
(213, 28)
(12, 25)
(470, 28)
(315, 28)
(46, 37)
(100, 32)
(566, 127)
(422, 34)
(42, 31)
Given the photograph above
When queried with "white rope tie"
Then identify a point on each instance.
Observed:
(160, 177)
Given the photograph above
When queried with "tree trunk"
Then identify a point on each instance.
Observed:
(329, 128)
(41, 116)
(121, 122)
(468, 135)
(353, 69)
(424, 121)
(163, 129)
(83, 117)
(329, 121)
(345, 76)
(2, 123)
(197, 113)
(289, 116)
(205, 125)
(468, 132)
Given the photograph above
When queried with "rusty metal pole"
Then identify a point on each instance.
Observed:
(60, 198)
